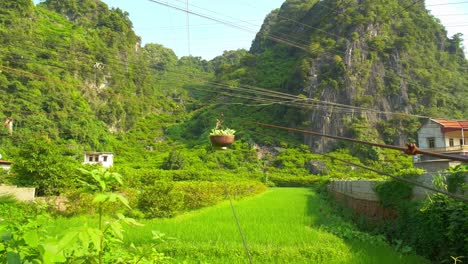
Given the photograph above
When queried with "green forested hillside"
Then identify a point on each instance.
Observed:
(389, 56)
(75, 77)
(80, 76)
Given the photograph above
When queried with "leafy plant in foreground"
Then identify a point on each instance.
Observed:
(26, 240)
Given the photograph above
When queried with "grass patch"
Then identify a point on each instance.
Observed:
(280, 226)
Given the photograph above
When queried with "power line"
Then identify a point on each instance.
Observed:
(188, 28)
(465, 14)
(281, 40)
(466, 25)
(309, 99)
(233, 210)
(411, 150)
(371, 49)
(304, 100)
(276, 38)
(291, 100)
(455, 3)
(351, 163)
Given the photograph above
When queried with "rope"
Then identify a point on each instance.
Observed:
(239, 228)
(411, 149)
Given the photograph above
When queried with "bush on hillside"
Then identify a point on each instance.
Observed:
(203, 193)
(286, 180)
(160, 200)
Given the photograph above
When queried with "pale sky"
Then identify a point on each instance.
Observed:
(453, 16)
(167, 26)
(156, 23)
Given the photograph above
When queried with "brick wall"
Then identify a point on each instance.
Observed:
(367, 208)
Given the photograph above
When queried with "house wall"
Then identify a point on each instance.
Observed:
(109, 162)
(456, 135)
(5, 166)
(431, 130)
(104, 159)
(436, 165)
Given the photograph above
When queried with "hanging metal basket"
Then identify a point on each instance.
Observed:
(222, 140)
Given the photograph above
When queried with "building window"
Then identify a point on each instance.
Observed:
(96, 158)
(104, 158)
(431, 142)
(90, 158)
(461, 142)
(451, 142)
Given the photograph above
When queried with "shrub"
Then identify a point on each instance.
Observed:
(160, 200)
(200, 194)
(436, 228)
(396, 193)
(175, 161)
(393, 193)
(41, 164)
(79, 202)
(282, 180)
(456, 179)
(204, 193)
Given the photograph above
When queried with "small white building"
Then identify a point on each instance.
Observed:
(105, 159)
(6, 165)
(442, 136)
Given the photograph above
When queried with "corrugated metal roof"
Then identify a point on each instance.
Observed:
(456, 124)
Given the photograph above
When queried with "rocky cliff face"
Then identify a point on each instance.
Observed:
(376, 57)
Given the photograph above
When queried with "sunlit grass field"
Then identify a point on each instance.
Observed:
(280, 226)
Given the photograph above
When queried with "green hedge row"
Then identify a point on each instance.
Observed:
(283, 180)
(165, 198)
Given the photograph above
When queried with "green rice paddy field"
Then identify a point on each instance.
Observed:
(280, 226)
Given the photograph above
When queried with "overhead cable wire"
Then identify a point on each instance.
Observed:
(412, 4)
(278, 39)
(442, 15)
(261, 91)
(299, 101)
(30, 74)
(245, 21)
(227, 23)
(308, 100)
(214, 12)
(311, 100)
(405, 78)
(454, 3)
(188, 28)
(236, 218)
(291, 100)
(466, 25)
(404, 149)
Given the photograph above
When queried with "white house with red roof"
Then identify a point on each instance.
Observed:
(443, 136)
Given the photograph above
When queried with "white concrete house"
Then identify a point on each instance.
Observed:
(6, 165)
(443, 136)
(106, 159)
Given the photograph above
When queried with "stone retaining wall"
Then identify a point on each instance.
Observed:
(359, 195)
(368, 208)
(22, 194)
